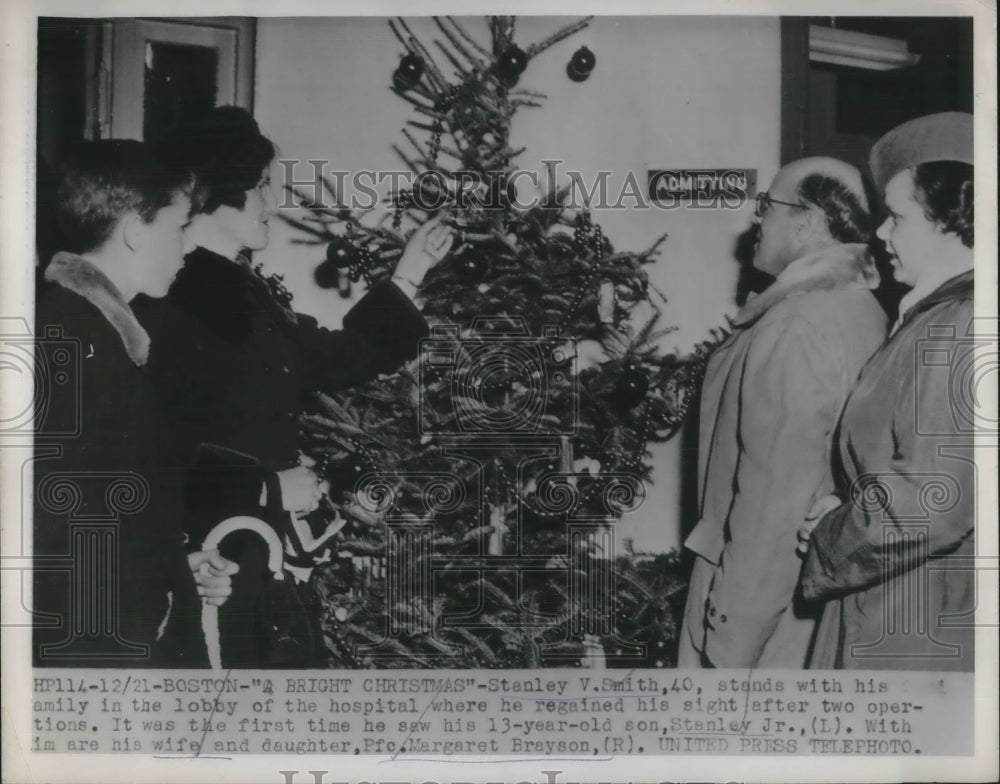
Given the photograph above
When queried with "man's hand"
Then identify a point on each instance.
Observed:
(212, 575)
(428, 245)
(818, 511)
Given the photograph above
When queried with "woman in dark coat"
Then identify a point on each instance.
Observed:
(114, 584)
(894, 560)
(232, 362)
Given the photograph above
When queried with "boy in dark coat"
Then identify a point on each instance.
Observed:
(113, 583)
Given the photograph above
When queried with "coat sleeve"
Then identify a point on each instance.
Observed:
(380, 333)
(791, 393)
(921, 502)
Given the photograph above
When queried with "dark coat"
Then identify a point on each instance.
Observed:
(896, 560)
(231, 366)
(100, 453)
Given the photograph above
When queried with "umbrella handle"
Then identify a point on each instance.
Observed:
(275, 562)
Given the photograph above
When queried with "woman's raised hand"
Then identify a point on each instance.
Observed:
(428, 245)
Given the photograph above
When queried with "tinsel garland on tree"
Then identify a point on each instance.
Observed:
(483, 480)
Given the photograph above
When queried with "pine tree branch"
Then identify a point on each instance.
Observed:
(558, 36)
(458, 46)
(304, 227)
(468, 38)
(422, 126)
(423, 108)
(462, 71)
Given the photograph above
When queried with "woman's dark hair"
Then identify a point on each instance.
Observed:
(945, 189)
(227, 153)
(100, 181)
(847, 218)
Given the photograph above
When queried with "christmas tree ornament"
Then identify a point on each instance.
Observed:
(471, 265)
(606, 302)
(630, 390)
(342, 253)
(327, 276)
(511, 64)
(402, 202)
(344, 286)
(343, 473)
(408, 73)
(590, 354)
(581, 64)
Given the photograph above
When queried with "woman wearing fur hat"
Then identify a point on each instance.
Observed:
(892, 553)
(232, 361)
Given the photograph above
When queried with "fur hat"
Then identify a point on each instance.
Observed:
(937, 137)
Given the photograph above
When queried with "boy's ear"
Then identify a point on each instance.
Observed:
(133, 229)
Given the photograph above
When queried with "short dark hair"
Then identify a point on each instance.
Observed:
(99, 182)
(227, 153)
(847, 219)
(946, 191)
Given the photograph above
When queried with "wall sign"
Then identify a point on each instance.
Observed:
(702, 188)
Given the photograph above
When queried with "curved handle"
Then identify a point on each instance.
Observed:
(275, 562)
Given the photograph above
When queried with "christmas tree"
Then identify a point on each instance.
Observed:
(482, 481)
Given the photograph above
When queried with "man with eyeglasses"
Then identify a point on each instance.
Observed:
(772, 395)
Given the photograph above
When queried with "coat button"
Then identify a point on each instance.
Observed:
(290, 414)
(722, 617)
(285, 369)
(711, 612)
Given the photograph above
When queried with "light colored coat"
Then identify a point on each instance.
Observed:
(772, 396)
(902, 547)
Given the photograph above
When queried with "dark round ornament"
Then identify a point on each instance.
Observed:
(630, 390)
(327, 276)
(511, 64)
(408, 72)
(471, 265)
(581, 64)
(343, 474)
(342, 253)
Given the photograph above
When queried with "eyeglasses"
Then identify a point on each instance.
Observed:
(765, 200)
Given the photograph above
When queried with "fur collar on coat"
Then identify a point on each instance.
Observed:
(83, 278)
(847, 266)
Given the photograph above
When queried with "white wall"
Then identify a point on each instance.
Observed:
(685, 92)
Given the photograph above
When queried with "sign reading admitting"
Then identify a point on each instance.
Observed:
(702, 188)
